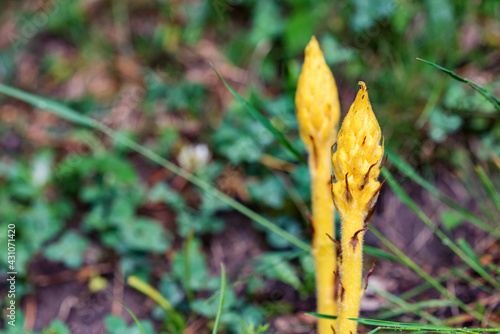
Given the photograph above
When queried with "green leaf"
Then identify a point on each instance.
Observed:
(118, 168)
(122, 210)
(267, 21)
(198, 222)
(263, 120)
(57, 326)
(18, 328)
(145, 235)
(368, 12)
(197, 266)
(68, 250)
(250, 320)
(441, 124)
(96, 219)
(323, 316)
(451, 219)
(269, 191)
(40, 217)
(237, 146)
(209, 307)
(162, 192)
(288, 224)
(334, 52)
(114, 323)
(211, 205)
(276, 266)
(300, 26)
(168, 287)
(440, 17)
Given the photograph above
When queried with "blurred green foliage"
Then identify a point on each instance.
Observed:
(142, 68)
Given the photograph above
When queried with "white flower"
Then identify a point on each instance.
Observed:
(194, 157)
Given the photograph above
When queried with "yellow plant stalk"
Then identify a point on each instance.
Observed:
(318, 113)
(356, 165)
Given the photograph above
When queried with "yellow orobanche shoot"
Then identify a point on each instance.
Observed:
(356, 165)
(318, 113)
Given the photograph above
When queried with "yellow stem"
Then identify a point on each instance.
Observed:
(324, 250)
(350, 270)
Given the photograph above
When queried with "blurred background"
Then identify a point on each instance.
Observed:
(90, 212)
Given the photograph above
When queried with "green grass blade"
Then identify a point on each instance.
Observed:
(221, 300)
(384, 324)
(380, 253)
(415, 307)
(420, 327)
(280, 137)
(489, 187)
(432, 281)
(175, 318)
(417, 290)
(71, 115)
(487, 94)
(405, 198)
(187, 267)
(459, 271)
(145, 288)
(43, 103)
(406, 307)
(324, 316)
(137, 322)
(467, 248)
(406, 169)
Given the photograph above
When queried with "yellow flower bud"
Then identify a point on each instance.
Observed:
(358, 157)
(316, 100)
(356, 165)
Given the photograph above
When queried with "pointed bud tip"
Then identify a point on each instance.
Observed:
(313, 46)
(362, 85)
